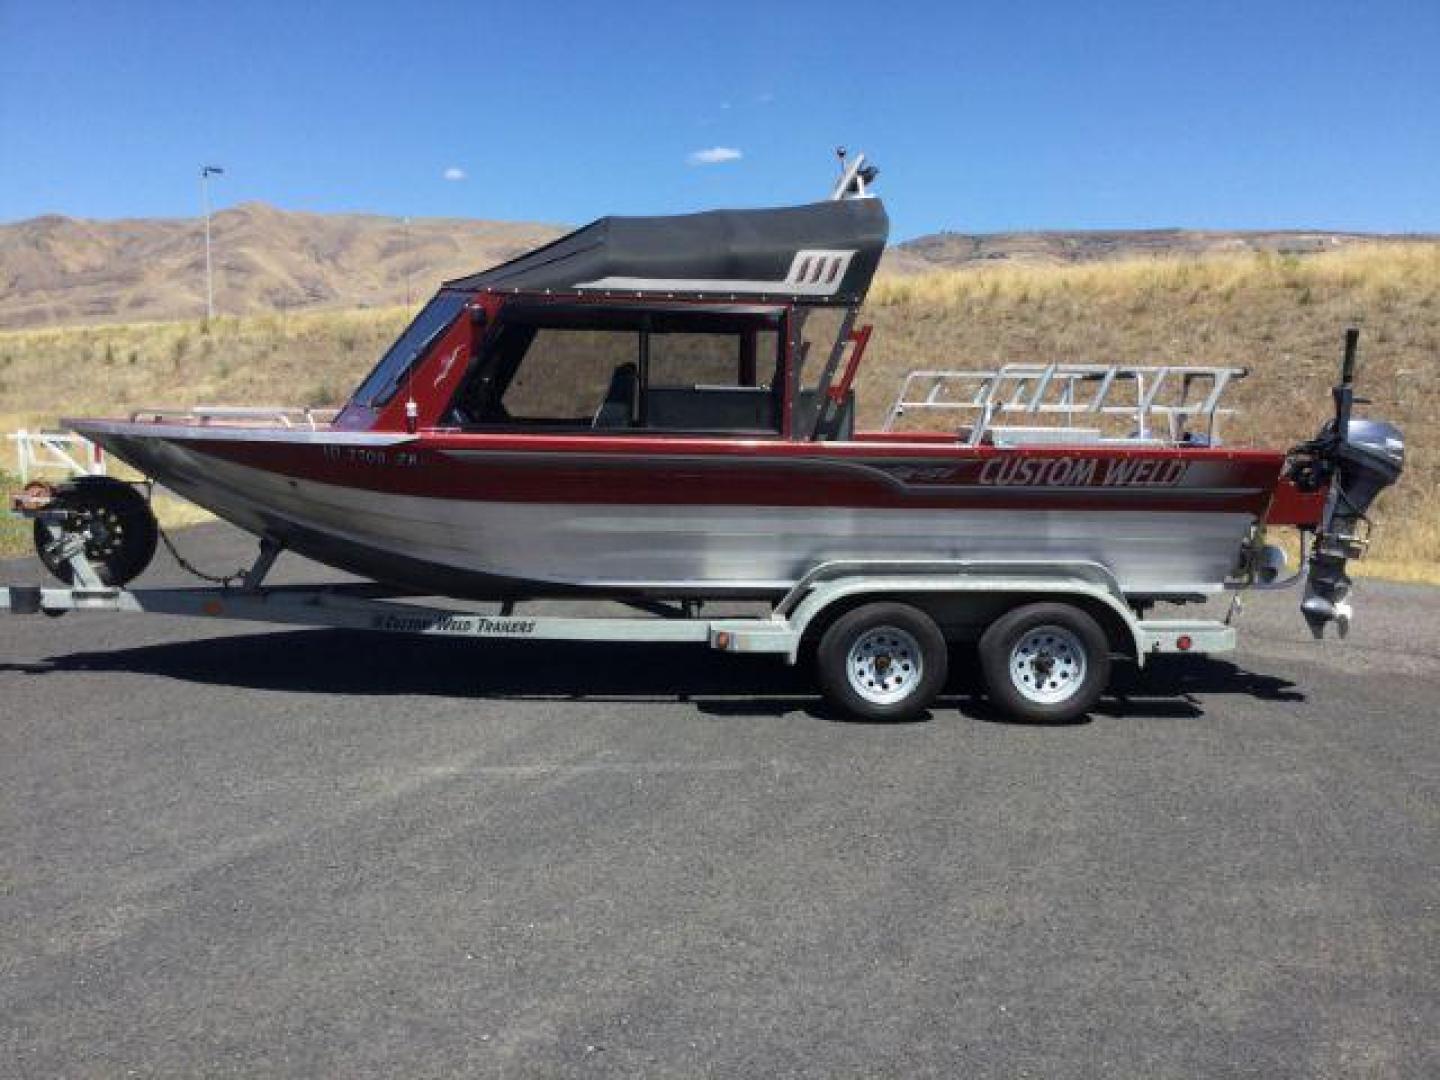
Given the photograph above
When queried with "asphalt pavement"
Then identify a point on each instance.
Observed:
(235, 849)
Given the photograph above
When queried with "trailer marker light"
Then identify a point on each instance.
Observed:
(212, 607)
(1183, 642)
(35, 496)
(722, 639)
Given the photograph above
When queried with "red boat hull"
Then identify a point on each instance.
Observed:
(490, 515)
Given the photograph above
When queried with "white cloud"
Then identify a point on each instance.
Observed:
(714, 155)
(764, 99)
(454, 172)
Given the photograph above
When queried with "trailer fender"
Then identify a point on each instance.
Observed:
(831, 598)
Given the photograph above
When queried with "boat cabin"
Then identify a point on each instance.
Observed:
(697, 324)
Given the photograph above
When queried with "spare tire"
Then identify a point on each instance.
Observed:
(113, 520)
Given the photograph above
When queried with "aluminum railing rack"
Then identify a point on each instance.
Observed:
(1159, 405)
(62, 451)
(285, 416)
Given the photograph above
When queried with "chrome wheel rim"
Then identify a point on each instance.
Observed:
(1047, 665)
(884, 665)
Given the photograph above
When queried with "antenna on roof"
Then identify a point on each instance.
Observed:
(855, 177)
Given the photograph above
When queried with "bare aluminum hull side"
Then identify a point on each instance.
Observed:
(486, 547)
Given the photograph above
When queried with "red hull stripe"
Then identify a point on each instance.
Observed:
(875, 477)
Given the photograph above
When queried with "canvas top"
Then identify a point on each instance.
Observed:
(820, 254)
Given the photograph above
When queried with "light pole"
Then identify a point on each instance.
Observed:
(407, 264)
(206, 172)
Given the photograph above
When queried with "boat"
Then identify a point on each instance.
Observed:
(648, 408)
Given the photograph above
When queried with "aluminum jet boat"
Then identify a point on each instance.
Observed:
(664, 407)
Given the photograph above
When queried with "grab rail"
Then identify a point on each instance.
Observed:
(285, 416)
(1161, 397)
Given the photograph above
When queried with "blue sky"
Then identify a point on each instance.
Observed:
(983, 116)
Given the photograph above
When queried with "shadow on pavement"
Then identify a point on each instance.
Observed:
(348, 662)
(1171, 686)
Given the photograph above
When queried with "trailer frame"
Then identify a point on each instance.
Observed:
(827, 589)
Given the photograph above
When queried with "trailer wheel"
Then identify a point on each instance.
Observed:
(116, 524)
(1046, 662)
(882, 661)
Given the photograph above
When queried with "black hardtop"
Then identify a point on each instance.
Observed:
(821, 254)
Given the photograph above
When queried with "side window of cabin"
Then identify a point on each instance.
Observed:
(819, 331)
(714, 359)
(567, 376)
(694, 359)
(716, 381)
(664, 372)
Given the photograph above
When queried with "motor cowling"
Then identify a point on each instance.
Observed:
(1357, 459)
(1369, 459)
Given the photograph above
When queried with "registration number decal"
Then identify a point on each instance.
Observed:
(370, 456)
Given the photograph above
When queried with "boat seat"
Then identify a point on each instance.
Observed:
(615, 411)
(711, 408)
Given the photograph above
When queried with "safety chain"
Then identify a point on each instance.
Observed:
(185, 564)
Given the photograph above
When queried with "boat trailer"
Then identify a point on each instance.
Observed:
(889, 616)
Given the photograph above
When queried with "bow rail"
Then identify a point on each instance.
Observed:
(282, 416)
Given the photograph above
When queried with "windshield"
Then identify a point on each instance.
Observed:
(382, 383)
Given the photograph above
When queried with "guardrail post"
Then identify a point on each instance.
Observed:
(22, 454)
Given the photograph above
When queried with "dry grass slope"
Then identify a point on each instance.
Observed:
(1281, 316)
(57, 270)
(14, 531)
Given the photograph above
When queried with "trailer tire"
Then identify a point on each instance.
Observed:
(121, 531)
(1045, 662)
(882, 661)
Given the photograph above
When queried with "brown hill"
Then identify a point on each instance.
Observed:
(57, 270)
(951, 249)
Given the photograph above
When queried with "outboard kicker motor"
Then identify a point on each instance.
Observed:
(1358, 459)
